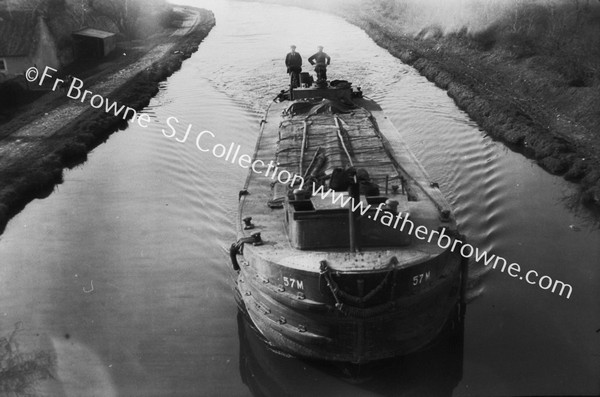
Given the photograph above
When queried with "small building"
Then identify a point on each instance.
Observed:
(25, 41)
(93, 43)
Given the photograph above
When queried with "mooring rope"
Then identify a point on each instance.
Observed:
(338, 293)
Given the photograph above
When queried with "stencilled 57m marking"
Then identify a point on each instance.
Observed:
(419, 278)
(293, 283)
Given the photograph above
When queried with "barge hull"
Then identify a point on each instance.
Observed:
(306, 291)
(323, 331)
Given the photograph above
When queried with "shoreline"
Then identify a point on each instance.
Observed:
(35, 171)
(506, 121)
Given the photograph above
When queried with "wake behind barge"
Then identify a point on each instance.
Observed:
(319, 280)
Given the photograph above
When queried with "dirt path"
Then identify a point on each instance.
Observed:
(25, 141)
(33, 156)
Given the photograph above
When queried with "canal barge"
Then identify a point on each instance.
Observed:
(343, 276)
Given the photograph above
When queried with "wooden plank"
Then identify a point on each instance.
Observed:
(369, 152)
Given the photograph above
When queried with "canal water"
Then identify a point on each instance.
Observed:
(121, 275)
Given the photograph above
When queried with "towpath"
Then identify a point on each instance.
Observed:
(37, 144)
(25, 142)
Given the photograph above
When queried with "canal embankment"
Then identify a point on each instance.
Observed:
(33, 156)
(526, 73)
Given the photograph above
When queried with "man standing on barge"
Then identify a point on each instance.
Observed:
(320, 60)
(293, 61)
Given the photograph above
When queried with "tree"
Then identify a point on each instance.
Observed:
(124, 13)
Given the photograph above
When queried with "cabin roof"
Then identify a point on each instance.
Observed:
(17, 33)
(95, 33)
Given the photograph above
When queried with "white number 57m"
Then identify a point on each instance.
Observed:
(419, 278)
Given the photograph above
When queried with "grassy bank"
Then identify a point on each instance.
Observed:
(28, 178)
(526, 71)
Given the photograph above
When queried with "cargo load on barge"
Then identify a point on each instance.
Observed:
(330, 261)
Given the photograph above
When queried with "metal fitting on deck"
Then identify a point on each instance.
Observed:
(257, 240)
(248, 223)
(324, 266)
(445, 215)
(392, 205)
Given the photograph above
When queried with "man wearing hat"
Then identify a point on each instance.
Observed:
(293, 61)
(320, 60)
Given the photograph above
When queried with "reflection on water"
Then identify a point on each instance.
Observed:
(145, 221)
(433, 372)
(20, 370)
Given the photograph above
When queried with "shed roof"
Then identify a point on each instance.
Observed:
(17, 33)
(89, 32)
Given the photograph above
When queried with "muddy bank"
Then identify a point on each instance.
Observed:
(503, 115)
(35, 173)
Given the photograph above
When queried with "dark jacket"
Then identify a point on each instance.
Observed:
(293, 61)
(320, 58)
